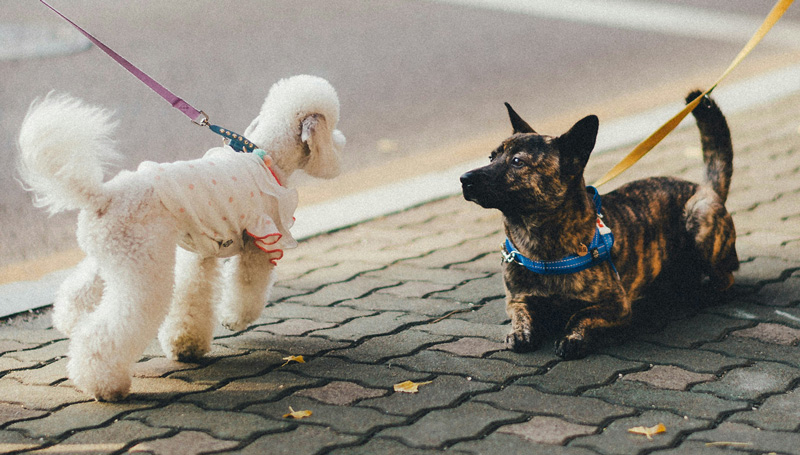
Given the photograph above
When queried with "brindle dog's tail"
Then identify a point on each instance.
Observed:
(717, 147)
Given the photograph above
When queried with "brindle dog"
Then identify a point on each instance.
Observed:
(667, 231)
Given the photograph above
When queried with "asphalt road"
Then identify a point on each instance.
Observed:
(412, 76)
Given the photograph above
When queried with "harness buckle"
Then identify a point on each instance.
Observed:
(507, 257)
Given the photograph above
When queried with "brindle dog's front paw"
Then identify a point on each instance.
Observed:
(521, 341)
(572, 347)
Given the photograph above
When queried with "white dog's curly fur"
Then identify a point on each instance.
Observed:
(119, 296)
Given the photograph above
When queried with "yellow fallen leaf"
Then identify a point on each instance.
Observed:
(296, 414)
(409, 386)
(293, 358)
(649, 432)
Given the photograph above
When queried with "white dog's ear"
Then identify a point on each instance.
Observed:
(251, 128)
(323, 161)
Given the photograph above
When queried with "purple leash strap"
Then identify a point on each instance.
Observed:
(198, 117)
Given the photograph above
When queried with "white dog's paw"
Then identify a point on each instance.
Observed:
(185, 348)
(236, 324)
(102, 381)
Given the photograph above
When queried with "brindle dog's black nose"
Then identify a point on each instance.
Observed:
(468, 180)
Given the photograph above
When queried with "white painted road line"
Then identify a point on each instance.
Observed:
(648, 16)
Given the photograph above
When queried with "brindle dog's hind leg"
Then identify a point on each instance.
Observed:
(710, 229)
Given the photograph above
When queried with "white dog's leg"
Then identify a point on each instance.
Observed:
(187, 332)
(78, 296)
(247, 281)
(136, 262)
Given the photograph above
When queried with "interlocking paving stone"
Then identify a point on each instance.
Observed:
(295, 327)
(474, 290)
(277, 345)
(573, 376)
(304, 439)
(12, 441)
(748, 348)
(771, 333)
(251, 364)
(160, 366)
(341, 393)
(784, 293)
(616, 439)
(412, 289)
(637, 395)
(74, 417)
(344, 291)
(14, 412)
(761, 270)
(582, 410)
(342, 419)
(147, 389)
(702, 448)
(380, 324)
(45, 375)
(469, 347)
(405, 273)
(488, 370)
(669, 377)
(381, 348)
(183, 442)
(105, 439)
(541, 358)
(687, 333)
(373, 376)
(337, 314)
(499, 443)
(778, 412)
(491, 312)
(382, 300)
(14, 345)
(689, 359)
(220, 424)
(443, 391)
(753, 438)
(547, 430)
(8, 364)
(436, 428)
(457, 327)
(785, 316)
(239, 393)
(750, 383)
(387, 447)
(38, 396)
(45, 353)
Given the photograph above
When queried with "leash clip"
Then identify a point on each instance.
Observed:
(203, 119)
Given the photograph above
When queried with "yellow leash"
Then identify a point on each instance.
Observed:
(645, 146)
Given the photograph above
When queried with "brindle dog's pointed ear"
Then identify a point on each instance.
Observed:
(576, 145)
(519, 125)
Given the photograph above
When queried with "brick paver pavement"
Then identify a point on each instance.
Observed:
(418, 296)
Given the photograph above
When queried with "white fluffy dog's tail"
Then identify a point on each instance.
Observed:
(65, 146)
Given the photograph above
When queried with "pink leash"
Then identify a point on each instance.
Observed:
(198, 117)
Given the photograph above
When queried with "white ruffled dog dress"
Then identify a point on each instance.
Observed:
(221, 196)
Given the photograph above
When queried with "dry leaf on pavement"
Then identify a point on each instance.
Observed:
(648, 431)
(296, 414)
(409, 386)
(293, 358)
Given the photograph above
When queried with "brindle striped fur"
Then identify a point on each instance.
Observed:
(667, 230)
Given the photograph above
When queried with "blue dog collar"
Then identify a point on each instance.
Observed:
(599, 251)
(235, 141)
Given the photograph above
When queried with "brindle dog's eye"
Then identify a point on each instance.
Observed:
(517, 162)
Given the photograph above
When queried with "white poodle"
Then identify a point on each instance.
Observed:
(225, 204)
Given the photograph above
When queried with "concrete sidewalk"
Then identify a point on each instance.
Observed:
(418, 296)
